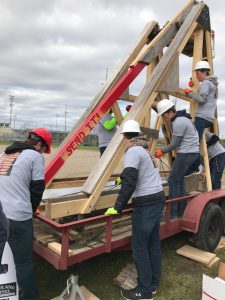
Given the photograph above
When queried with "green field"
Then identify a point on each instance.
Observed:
(181, 278)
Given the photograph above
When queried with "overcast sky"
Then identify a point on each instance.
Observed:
(55, 53)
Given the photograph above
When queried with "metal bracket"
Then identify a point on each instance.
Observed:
(72, 289)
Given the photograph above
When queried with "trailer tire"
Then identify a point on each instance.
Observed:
(222, 205)
(210, 229)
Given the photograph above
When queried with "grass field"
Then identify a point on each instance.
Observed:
(181, 278)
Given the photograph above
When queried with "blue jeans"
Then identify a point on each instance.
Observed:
(181, 165)
(217, 165)
(201, 124)
(3, 232)
(21, 243)
(146, 245)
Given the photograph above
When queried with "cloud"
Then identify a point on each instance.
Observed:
(55, 53)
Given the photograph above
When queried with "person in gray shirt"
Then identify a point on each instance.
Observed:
(185, 141)
(141, 181)
(206, 97)
(105, 130)
(22, 185)
(216, 153)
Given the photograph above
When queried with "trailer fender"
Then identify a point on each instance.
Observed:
(195, 207)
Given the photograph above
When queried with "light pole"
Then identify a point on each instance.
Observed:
(56, 127)
(11, 104)
(56, 122)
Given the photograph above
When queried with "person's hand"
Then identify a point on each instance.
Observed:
(111, 211)
(37, 212)
(118, 181)
(159, 153)
(187, 91)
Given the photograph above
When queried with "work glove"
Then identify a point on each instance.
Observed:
(191, 83)
(118, 181)
(187, 91)
(159, 153)
(111, 211)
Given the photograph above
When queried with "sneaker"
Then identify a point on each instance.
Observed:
(135, 295)
(154, 292)
(3, 269)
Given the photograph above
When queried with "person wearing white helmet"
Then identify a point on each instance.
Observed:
(206, 97)
(22, 183)
(141, 181)
(186, 142)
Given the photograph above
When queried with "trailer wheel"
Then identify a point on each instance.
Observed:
(210, 229)
(222, 205)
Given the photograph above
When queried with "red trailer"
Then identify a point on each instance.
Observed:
(203, 216)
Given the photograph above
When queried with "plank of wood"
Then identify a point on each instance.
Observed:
(204, 152)
(99, 176)
(127, 278)
(166, 35)
(222, 271)
(122, 68)
(117, 112)
(197, 56)
(57, 248)
(214, 262)
(171, 82)
(72, 207)
(73, 182)
(181, 95)
(196, 254)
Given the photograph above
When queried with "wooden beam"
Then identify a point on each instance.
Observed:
(204, 153)
(165, 36)
(181, 95)
(117, 112)
(210, 61)
(97, 179)
(197, 56)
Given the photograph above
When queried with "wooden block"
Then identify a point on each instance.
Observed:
(198, 255)
(221, 244)
(127, 278)
(86, 293)
(57, 248)
(222, 241)
(222, 271)
(214, 262)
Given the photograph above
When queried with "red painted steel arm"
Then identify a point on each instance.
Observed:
(94, 117)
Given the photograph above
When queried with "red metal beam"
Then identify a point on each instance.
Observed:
(94, 117)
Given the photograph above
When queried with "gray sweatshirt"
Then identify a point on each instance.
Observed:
(206, 98)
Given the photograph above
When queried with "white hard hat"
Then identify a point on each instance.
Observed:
(163, 106)
(131, 126)
(202, 65)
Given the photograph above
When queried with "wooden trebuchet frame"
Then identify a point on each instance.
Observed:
(189, 33)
